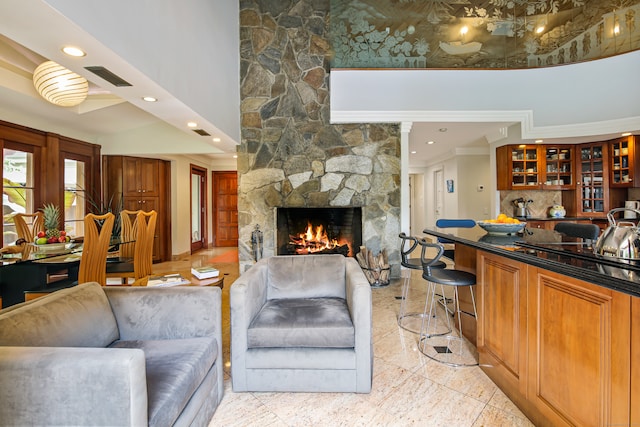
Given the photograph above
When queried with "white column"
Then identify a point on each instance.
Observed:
(405, 217)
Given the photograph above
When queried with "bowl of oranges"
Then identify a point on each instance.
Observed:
(503, 224)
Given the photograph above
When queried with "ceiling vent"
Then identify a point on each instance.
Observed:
(108, 76)
(201, 132)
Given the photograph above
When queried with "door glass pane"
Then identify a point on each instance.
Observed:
(74, 197)
(17, 189)
(196, 227)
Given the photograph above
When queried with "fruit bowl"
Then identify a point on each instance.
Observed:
(501, 228)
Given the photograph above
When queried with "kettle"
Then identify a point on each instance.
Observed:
(619, 240)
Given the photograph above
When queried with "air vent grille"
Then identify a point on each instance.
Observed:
(108, 76)
(201, 132)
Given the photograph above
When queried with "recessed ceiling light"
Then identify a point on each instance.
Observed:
(235, 156)
(413, 152)
(540, 29)
(538, 141)
(73, 51)
(443, 129)
(431, 142)
(626, 134)
(216, 139)
(149, 99)
(192, 124)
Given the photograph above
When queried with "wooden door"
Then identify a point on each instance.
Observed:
(225, 208)
(198, 208)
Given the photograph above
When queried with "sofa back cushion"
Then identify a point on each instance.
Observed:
(306, 276)
(79, 316)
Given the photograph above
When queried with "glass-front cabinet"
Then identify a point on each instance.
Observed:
(557, 172)
(592, 179)
(624, 163)
(523, 171)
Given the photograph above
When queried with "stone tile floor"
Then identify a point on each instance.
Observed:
(408, 388)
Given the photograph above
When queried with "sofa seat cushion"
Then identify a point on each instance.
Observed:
(302, 322)
(175, 369)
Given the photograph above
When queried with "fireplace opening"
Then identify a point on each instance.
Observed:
(319, 231)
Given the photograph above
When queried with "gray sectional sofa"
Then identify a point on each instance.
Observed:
(302, 323)
(118, 356)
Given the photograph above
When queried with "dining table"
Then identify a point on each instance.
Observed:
(42, 269)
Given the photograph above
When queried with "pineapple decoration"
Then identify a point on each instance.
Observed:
(51, 234)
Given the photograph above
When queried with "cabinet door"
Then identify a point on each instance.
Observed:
(593, 180)
(623, 164)
(557, 169)
(148, 177)
(579, 358)
(525, 171)
(502, 313)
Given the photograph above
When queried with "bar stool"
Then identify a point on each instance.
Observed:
(406, 265)
(451, 349)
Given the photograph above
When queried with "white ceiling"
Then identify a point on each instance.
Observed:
(110, 110)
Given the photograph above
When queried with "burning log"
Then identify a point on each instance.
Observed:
(375, 266)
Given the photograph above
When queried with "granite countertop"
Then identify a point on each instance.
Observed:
(552, 251)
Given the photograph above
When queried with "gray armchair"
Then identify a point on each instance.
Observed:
(302, 323)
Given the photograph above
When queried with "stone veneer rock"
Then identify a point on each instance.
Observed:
(290, 155)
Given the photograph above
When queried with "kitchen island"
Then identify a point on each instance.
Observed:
(558, 328)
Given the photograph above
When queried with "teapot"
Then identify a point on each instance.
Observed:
(557, 211)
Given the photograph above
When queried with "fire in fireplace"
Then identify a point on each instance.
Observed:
(319, 231)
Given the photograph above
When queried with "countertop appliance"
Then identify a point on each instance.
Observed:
(621, 239)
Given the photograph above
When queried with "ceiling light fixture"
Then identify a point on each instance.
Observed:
(192, 124)
(216, 139)
(74, 51)
(235, 156)
(431, 142)
(540, 29)
(626, 134)
(413, 152)
(60, 86)
(149, 99)
(443, 129)
(538, 141)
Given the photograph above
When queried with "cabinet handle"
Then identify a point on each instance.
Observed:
(139, 191)
(144, 191)
(139, 201)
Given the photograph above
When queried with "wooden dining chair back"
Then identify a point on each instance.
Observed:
(145, 235)
(97, 236)
(27, 227)
(128, 224)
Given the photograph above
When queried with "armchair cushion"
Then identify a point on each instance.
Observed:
(305, 277)
(302, 322)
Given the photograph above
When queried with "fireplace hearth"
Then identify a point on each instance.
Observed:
(319, 231)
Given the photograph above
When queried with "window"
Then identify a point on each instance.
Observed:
(18, 186)
(74, 197)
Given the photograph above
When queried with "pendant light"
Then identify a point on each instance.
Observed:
(59, 85)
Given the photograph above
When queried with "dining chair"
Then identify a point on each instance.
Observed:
(144, 226)
(97, 236)
(27, 227)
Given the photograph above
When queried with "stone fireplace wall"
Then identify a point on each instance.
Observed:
(290, 155)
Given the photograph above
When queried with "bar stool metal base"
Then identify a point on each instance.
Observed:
(452, 348)
(413, 321)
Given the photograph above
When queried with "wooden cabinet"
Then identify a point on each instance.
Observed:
(557, 167)
(518, 167)
(579, 359)
(593, 196)
(557, 346)
(142, 183)
(502, 326)
(535, 167)
(624, 164)
(140, 177)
